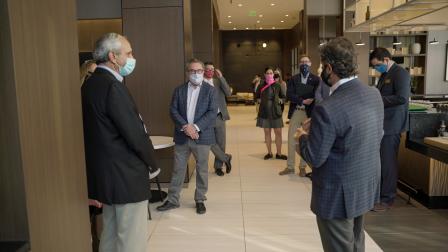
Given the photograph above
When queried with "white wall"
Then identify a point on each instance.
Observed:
(436, 63)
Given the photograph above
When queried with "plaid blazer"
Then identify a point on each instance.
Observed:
(343, 147)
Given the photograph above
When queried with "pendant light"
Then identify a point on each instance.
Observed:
(360, 42)
(434, 42)
(396, 42)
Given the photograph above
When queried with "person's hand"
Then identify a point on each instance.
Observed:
(308, 101)
(191, 131)
(218, 73)
(95, 203)
(306, 125)
(300, 132)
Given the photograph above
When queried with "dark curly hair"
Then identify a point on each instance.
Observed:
(340, 54)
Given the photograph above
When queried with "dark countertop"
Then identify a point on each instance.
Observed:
(427, 150)
(423, 125)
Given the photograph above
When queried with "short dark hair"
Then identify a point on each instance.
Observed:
(208, 63)
(380, 53)
(340, 54)
(267, 68)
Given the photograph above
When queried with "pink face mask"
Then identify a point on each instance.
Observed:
(209, 74)
(269, 78)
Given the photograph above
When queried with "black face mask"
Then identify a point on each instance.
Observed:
(325, 77)
(276, 76)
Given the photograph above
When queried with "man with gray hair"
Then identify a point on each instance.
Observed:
(119, 153)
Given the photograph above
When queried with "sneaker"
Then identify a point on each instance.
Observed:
(166, 206)
(302, 172)
(286, 171)
(381, 207)
(154, 173)
(268, 156)
(283, 157)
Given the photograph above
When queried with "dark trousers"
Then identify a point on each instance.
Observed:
(342, 235)
(389, 167)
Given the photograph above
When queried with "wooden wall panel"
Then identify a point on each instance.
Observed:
(202, 25)
(158, 40)
(89, 31)
(13, 220)
(45, 51)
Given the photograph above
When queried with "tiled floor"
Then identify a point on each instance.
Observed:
(252, 209)
(409, 227)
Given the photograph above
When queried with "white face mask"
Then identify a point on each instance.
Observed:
(196, 78)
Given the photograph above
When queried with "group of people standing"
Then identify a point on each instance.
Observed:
(345, 130)
(120, 157)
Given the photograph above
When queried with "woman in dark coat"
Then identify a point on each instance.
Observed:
(270, 95)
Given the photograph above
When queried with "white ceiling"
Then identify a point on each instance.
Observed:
(272, 16)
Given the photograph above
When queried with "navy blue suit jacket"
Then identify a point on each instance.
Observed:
(204, 118)
(395, 88)
(295, 98)
(343, 147)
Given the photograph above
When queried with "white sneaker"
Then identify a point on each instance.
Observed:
(154, 173)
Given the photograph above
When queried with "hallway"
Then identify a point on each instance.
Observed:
(253, 209)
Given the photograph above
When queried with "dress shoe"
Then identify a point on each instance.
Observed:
(302, 172)
(153, 173)
(200, 208)
(381, 207)
(228, 163)
(286, 171)
(167, 206)
(219, 172)
(283, 157)
(268, 156)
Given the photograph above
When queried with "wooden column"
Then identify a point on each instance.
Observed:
(42, 174)
(161, 37)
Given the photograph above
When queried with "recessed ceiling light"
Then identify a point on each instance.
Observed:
(261, 28)
(272, 4)
(273, 27)
(282, 21)
(240, 5)
(258, 21)
(230, 22)
(261, 15)
(234, 28)
(229, 16)
(247, 28)
(286, 15)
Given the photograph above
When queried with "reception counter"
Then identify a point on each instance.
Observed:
(423, 168)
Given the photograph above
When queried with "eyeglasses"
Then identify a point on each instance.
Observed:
(199, 71)
(209, 70)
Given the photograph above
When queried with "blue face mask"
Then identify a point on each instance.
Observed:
(381, 68)
(304, 69)
(128, 67)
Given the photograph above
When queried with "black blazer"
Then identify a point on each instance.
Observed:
(264, 110)
(117, 148)
(395, 89)
(295, 97)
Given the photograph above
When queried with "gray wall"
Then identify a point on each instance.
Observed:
(362, 54)
(244, 56)
(98, 9)
(436, 63)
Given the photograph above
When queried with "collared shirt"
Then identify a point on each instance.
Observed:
(210, 81)
(340, 83)
(192, 100)
(116, 75)
(304, 78)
